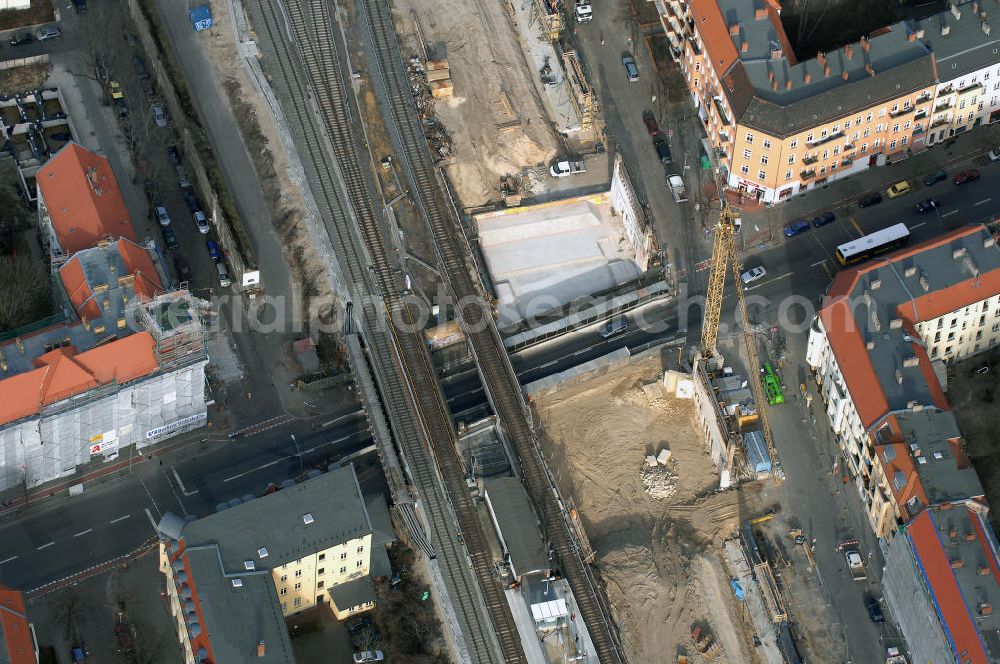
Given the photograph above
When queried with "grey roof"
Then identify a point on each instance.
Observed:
(873, 314)
(515, 520)
(378, 513)
(275, 522)
(782, 97)
(966, 45)
(380, 565)
(944, 471)
(237, 619)
(353, 593)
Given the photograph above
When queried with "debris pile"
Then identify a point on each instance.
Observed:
(426, 84)
(659, 477)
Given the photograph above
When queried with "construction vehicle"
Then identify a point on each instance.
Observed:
(852, 554)
(766, 516)
(584, 12)
(563, 169)
(893, 656)
(724, 256)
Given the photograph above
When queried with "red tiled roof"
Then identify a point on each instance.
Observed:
(947, 595)
(714, 34)
(15, 626)
(62, 373)
(78, 289)
(902, 462)
(137, 263)
(82, 198)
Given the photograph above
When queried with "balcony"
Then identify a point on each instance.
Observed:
(918, 130)
(942, 105)
(721, 110)
(906, 110)
(939, 122)
(808, 175)
(694, 45)
(847, 161)
(825, 139)
(975, 88)
(810, 159)
(924, 97)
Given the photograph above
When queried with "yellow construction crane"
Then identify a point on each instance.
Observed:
(724, 255)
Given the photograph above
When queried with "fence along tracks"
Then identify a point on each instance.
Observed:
(344, 201)
(497, 376)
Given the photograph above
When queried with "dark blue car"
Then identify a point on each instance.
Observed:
(824, 219)
(796, 227)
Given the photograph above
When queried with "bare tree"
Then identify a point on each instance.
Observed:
(24, 291)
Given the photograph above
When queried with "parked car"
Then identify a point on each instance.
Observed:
(21, 39)
(213, 250)
(630, 68)
(366, 656)
(934, 178)
(796, 227)
(159, 115)
(51, 32)
(898, 189)
(170, 238)
(183, 269)
(651, 125)
(224, 281)
(115, 89)
(201, 222)
(868, 200)
(614, 326)
(994, 154)
(752, 275)
(662, 150)
(824, 219)
(162, 216)
(926, 205)
(174, 155)
(965, 177)
(191, 199)
(874, 610)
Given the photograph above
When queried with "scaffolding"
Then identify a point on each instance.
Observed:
(551, 18)
(584, 102)
(175, 321)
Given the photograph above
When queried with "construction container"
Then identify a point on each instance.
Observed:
(441, 89)
(436, 65)
(438, 75)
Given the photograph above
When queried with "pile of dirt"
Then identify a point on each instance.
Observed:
(654, 545)
(496, 122)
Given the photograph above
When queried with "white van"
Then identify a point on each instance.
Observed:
(223, 275)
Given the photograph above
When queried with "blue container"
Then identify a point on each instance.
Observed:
(201, 18)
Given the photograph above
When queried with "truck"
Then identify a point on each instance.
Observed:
(676, 184)
(584, 12)
(563, 169)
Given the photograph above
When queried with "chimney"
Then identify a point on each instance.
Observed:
(849, 51)
(261, 648)
(899, 376)
(926, 285)
(970, 536)
(870, 69)
(776, 53)
(957, 563)
(734, 30)
(807, 78)
(945, 29)
(744, 46)
(952, 533)
(910, 271)
(770, 75)
(983, 570)
(986, 29)
(895, 323)
(912, 36)
(826, 71)
(920, 33)
(911, 362)
(956, 12)
(989, 242)
(870, 344)
(958, 253)
(975, 7)
(844, 75)
(864, 43)
(788, 84)
(760, 14)
(774, 85)
(821, 58)
(985, 609)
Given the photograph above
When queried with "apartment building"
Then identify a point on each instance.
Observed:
(967, 94)
(234, 576)
(18, 644)
(942, 582)
(873, 347)
(79, 203)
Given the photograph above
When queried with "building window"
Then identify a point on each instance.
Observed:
(361, 549)
(895, 107)
(892, 145)
(826, 154)
(895, 128)
(934, 353)
(864, 147)
(856, 135)
(868, 132)
(697, 66)
(746, 154)
(836, 150)
(749, 138)
(847, 125)
(763, 160)
(284, 606)
(937, 337)
(319, 585)
(298, 602)
(761, 175)
(298, 586)
(283, 591)
(878, 128)
(343, 556)
(906, 125)
(359, 564)
(696, 83)
(881, 112)
(298, 573)
(320, 571)
(903, 140)
(868, 118)
(343, 570)
(791, 159)
(744, 169)
(809, 138)
(947, 351)
(822, 134)
(822, 171)
(794, 144)
(322, 557)
(876, 143)
(284, 577)
(788, 175)
(767, 144)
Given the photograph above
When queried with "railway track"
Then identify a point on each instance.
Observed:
(497, 375)
(418, 416)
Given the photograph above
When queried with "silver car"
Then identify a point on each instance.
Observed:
(159, 115)
(752, 275)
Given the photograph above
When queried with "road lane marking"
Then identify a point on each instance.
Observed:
(985, 200)
(149, 515)
(121, 518)
(234, 477)
(179, 482)
(764, 283)
(84, 532)
(916, 226)
(855, 224)
(303, 453)
(818, 263)
(44, 546)
(337, 419)
(271, 463)
(948, 214)
(8, 560)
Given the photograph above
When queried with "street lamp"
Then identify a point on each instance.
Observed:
(297, 454)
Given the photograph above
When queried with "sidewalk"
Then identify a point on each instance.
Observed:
(763, 228)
